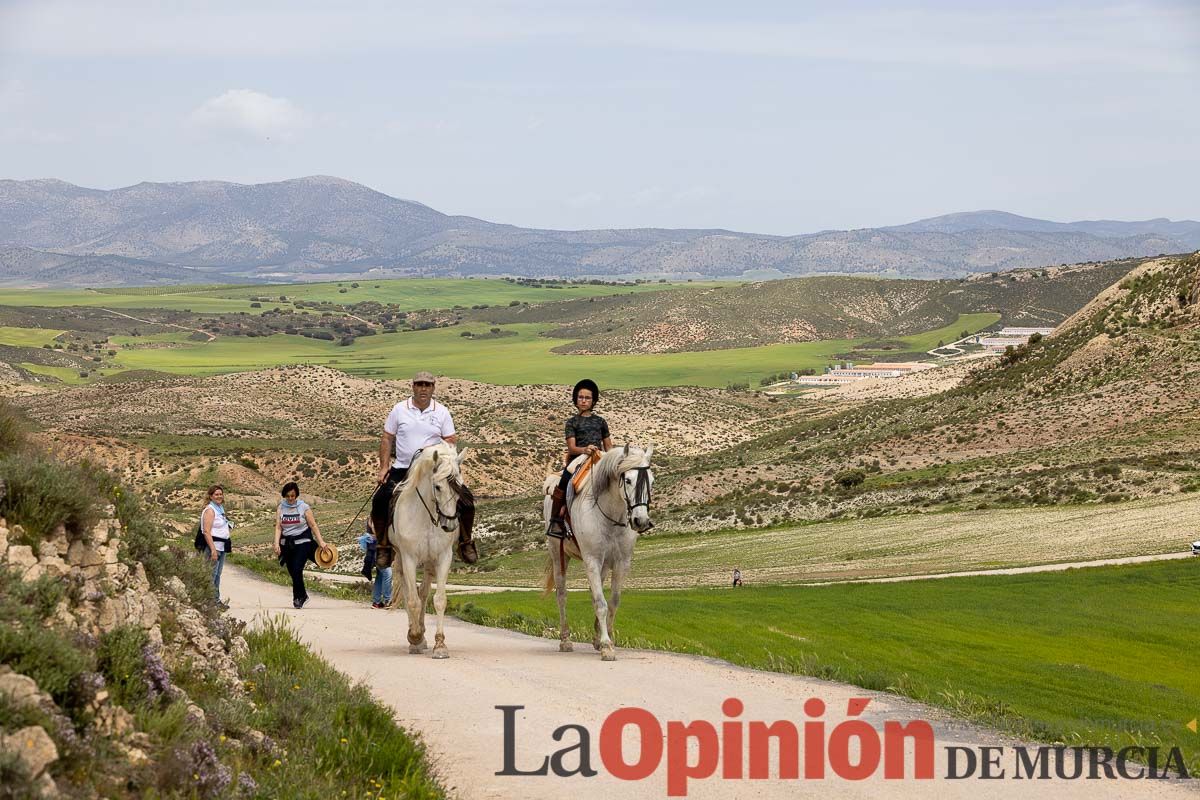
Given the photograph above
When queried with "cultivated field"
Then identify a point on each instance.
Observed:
(27, 337)
(914, 544)
(518, 354)
(409, 294)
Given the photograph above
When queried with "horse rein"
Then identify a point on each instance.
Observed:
(641, 488)
(440, 516)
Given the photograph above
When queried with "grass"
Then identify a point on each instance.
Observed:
(418, 293)
(68, 375)
(334, 739)
(410, 295)
(908, 544)
(27, 337)
(522, 358)
(1100, 656)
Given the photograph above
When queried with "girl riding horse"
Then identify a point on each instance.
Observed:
(587, 434)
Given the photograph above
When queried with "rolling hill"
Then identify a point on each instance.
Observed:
(324, 226)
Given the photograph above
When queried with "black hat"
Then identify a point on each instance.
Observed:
(586, 383)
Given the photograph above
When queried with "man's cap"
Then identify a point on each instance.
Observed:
(427, 377)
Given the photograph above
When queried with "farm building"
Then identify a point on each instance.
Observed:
(849, 373)
(1009, 337)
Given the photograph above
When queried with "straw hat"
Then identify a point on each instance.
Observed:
(327, 556)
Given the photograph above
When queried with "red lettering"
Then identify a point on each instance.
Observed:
(731, 740)
(760, 749)
(868, 749)
(894, 734)
(612, 751)
(678, 768)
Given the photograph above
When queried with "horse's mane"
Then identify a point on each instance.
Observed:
(613, 463)
(424, 467)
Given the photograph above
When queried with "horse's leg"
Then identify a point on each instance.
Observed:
(439, 604)
(618, 577)
(596, 623)
(600, 607)
(426, 585)
(560, 592)
(411, 599)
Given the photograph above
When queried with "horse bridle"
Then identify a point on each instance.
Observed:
(440, 518)
(641, 489)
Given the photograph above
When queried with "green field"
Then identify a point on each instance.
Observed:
(905, 544)
(409, 294)
(524, 357)
(1102, 656)
(68, 375)
(27, 337)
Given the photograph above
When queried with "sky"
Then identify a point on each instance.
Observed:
(770, 117)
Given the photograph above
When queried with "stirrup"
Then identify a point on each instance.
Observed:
(557, 528)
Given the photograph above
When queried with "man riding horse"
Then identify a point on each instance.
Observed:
(415, 423)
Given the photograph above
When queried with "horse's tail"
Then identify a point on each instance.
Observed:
(548, 576)
(566, 550)
(397, 598)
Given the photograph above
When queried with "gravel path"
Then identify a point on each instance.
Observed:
(452, 703)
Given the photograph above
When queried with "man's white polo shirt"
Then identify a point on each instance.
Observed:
(414, 428)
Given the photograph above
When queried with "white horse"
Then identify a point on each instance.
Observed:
(424, 529)
(611, 509)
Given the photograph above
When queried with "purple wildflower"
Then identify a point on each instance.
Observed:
(212, 778)
(247, 784)
(158, 680)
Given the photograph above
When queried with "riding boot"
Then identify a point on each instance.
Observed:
(466, 521)
(384, 552)
(558, 525)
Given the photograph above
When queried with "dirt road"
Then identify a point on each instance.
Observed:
(452, 704)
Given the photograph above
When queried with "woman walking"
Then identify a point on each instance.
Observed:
(295, 529)
(215, 530)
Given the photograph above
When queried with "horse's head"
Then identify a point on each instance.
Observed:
(637, 484)
(447, 485)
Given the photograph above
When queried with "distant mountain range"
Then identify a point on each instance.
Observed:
(54, 233)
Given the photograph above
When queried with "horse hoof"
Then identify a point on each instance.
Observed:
(566, 647)
(595, 644)
(608, 654)
(416, 649)
(441, 652)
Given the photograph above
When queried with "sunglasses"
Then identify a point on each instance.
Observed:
(422, 383)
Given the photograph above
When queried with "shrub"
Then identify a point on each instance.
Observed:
(248, 463)
(43, 494)
(849, 478)
(121, 660)
(28, 646)
(12, 434)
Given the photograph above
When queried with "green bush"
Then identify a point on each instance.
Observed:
(12, 434)
(32, 649)
(123, 665)
(849, 478)
(42, 494)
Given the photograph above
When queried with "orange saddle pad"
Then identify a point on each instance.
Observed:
(584, 469)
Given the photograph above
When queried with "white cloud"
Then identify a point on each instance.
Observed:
(247, 112)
